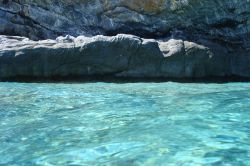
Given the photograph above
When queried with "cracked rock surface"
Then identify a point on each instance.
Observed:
(117, 56)
(225, 21)
(177, 38)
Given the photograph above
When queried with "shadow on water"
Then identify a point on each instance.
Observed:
(113, 79)
(228, 156)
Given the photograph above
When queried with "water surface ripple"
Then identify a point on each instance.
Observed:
(128, 124)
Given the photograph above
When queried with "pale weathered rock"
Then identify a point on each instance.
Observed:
(193, 38)
(225, 21)
(118, 56)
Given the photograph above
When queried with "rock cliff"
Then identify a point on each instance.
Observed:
(221, 20)
(177, 38)
(118, 56)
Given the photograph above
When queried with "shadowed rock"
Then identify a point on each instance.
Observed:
(118, 56)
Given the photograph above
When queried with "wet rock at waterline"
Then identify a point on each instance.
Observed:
(117, 56)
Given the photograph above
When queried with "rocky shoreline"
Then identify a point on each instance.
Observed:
(166, 39)
(118, 57)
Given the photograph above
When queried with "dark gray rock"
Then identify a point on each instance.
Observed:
(119, 56)
(226, 21)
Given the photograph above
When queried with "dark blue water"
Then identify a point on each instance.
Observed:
(129, 124)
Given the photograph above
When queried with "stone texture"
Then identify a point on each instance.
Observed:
(177, 38)
(117, 56)
(226, 21)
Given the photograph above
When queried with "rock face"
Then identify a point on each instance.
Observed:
(192, 38)
(225, 21)
(118, 56)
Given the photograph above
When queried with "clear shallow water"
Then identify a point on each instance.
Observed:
(125, 124)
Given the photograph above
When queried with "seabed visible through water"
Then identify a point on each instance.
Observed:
(128, 124)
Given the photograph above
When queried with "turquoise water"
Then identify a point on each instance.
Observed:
(129, 124)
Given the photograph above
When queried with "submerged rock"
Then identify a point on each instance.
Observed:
(117, 56)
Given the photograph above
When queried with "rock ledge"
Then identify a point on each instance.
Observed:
(120, 56)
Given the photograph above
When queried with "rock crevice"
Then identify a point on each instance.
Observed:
(177, 39)
(226, 21)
